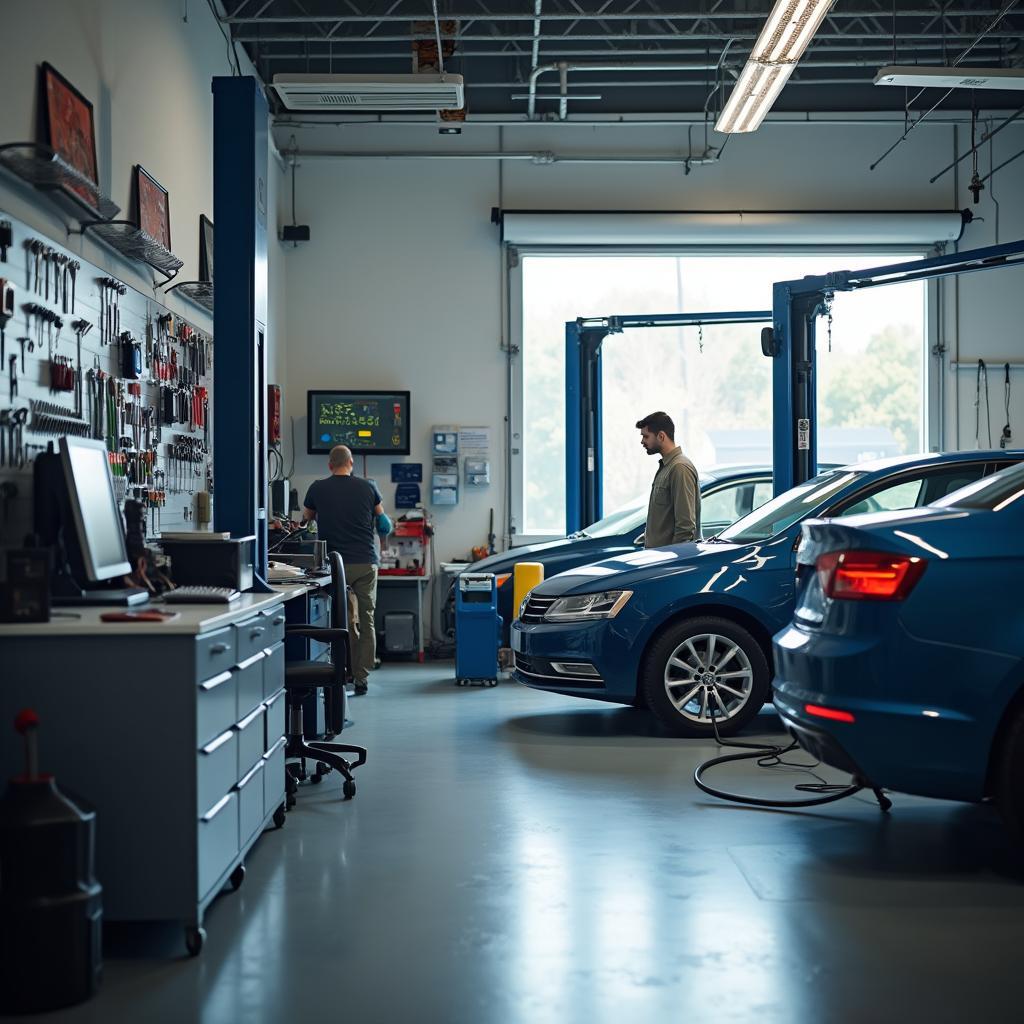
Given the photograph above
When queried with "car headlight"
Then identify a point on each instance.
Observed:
(605, 605)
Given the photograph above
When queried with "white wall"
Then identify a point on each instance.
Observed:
(148, 75)
(400, 285)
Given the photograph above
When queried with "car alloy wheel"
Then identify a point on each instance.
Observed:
(708, 676)
(703, 675)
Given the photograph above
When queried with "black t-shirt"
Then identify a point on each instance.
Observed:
(344, 516)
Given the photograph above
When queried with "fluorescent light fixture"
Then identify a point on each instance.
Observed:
(786, 33)
(950, 77)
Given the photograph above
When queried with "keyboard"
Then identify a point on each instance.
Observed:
(201, 595)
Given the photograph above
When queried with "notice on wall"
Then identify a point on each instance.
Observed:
(475, 442)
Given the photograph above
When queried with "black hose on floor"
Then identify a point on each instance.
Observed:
(770, 756)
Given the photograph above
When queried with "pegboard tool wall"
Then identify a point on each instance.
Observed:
(168, 462)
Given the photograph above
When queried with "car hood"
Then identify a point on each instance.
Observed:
(505, 561)
(625, 572)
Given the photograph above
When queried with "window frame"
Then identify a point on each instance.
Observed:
(513, 264)
(919, 473)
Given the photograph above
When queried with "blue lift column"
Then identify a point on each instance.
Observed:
(794, 384)
(240, 129)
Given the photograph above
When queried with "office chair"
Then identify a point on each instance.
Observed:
(301, 679)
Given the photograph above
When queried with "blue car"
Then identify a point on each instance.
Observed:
(904, 663)
(726, 494)
(686, 630)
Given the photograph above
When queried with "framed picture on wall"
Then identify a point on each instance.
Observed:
(205, 249)
(68, 129)
(153, 206)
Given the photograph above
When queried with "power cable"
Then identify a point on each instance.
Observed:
(982, 378)
(1007, 434)
(437, 33)
(770, 755)
(236, 68)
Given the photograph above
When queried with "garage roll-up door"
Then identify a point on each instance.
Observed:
(556, 227)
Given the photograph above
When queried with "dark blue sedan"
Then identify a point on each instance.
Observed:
(686, 630)
(726, 494)
(904, 664)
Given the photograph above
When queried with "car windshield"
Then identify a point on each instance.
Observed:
(632, 516)
(994, 492)
(787, 508)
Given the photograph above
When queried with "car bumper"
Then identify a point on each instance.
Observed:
(577, 660)
(897, 740)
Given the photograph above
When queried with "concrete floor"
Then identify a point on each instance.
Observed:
(513, 856)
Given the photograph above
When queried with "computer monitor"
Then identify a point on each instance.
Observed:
(94, 511)
(367, 422)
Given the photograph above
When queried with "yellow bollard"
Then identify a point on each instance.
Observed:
(526, 576)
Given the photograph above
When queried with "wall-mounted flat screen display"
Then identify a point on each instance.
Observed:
(368, 422)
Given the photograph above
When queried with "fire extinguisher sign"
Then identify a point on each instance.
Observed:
(803, 435)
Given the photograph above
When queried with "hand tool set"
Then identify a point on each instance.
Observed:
(141, 382)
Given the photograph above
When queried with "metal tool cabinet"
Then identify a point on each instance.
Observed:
(173, 732)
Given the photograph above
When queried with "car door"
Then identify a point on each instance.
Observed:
(722, 506)
(909, 489)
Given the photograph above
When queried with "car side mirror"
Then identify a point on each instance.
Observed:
(638, 541)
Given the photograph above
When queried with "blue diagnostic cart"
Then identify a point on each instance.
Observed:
(477, 629)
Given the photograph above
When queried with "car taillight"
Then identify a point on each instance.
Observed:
(868, 575)
(832, 714)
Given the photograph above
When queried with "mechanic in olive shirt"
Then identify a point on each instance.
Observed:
(348, 512)
(673, 514)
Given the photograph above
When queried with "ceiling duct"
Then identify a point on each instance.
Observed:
(333, 93)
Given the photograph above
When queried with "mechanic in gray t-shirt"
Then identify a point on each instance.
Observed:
(346, 509)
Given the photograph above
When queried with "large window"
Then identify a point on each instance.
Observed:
(715, 383)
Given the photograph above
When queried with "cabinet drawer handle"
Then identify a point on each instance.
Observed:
(253, 633)
(249, 662)
(216, 808)
(215, 681)
(278, 621)
(249, 719)
(275, 748)
(216, 744)
(220, 648)
(258, 767)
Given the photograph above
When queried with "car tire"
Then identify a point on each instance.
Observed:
(1010, 778)
(681, 685)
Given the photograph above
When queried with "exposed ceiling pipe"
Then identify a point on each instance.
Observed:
(1008, 32)
(631, 120)
(563, 68)
(628, 15)
(539, 158)
(986, 53)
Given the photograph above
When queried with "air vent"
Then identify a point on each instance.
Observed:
(370, 92)
(951, 78)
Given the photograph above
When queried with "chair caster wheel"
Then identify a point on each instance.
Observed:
(194, 940)
(236, 878)
(279, 815)
(348, 789)
(315, 779)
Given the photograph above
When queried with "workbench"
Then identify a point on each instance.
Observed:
(173, 732)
